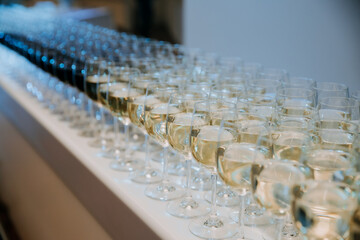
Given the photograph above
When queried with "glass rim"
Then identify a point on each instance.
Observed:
(320, 86)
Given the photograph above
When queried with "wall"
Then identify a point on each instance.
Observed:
(318, 39)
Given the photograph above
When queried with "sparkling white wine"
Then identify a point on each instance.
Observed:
(205, 141)
(296, 107)
(289, 144)
(217, 117)
(118, 102)
(328, 165)
(336, 138)
(333, 114)
(294, 124)
(179, 131)
(103, 94)
(324, 211)
(141, 86)
(250, 130)
(91, 85)
(234, 165)
(272, 183)
(262, 110)
(136, 109)
(155, 121)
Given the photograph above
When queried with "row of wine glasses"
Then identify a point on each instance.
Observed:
(286, 148)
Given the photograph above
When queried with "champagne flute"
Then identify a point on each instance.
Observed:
(157, 112)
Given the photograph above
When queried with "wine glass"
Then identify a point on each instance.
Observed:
(271, 185)
(333, 156)
(300, 82)
(117, 96)
(330, 89)
(137, 107)
(157, 112)
(339, 108)
(179, 127)
(251, 68)
(322, 210)
(205, 143)
(273, 73)
(234, 167)
(98, 75)
(91, 71)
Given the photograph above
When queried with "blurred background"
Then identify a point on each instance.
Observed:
(318, 39)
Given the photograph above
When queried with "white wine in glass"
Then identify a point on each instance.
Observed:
(322, 210)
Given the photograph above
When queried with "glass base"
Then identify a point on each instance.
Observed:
(113, 153)
(250, 234)
(188, 207)
(125, 165)
(201, 181)
(146, 176)
(104, 144)
(253, 216)
(80, 122)
(213, 227)
(290, 232)
(66, 118)
(89, 132)
(158, 156)
(165, 191)
(225, 197)
(57, 110)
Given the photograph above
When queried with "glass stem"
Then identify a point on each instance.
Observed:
(92, 121)
(117, 150)
(116, 133)
(147, 159)
(213, 193)
(82, 103)
(188, 177)
(127, 141)
(241, 216)
(102, 129)
(90, 108)
(165, 163)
